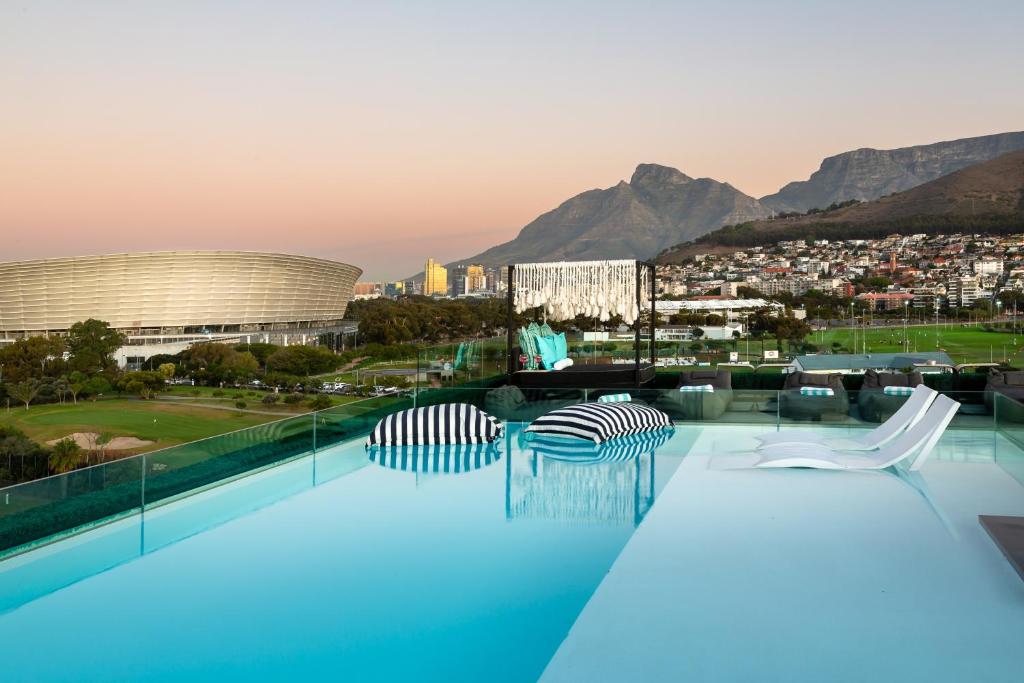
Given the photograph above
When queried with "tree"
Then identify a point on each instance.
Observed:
(320, 402)
(30, 358)
(65, 456)
(96, 386)
(302, 361)
(142, 382)
(91, 345)
(791, 330)
(21, 453)
(167, 370)
(745, 292)
(25, 392)
(76, 382)
(212, 363)
(877, 282)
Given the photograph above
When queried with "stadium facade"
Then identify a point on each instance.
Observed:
(165, 301)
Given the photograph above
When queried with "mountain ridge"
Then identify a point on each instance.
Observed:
(988, 196)
(867, 173)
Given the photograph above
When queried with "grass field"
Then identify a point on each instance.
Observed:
(164, 423)
(963, 344)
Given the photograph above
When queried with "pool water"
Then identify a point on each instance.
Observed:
(335, 566)
(679, 563)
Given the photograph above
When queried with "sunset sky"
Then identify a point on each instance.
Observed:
(383, 133)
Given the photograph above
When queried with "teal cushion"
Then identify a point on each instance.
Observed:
(547, 348)
(561, 347)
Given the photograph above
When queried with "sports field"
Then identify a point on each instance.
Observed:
(964, 344)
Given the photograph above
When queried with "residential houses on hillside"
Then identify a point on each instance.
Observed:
(916, 271)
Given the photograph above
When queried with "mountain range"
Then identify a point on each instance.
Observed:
(866, 174)
(661, 206)
(985, 197)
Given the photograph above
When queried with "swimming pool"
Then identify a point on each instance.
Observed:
(335, 566)
(667, 566)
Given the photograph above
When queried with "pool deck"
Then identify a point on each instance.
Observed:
(811, 575)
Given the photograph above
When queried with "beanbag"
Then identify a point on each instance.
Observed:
(599, 422)
(449, 423)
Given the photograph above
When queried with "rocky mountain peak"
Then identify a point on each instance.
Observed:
(656, 175)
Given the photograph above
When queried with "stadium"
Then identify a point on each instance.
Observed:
(164, 301)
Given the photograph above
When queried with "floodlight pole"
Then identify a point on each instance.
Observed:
(510, 310)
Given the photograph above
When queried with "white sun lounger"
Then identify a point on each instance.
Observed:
(919, 439)
(907, 416)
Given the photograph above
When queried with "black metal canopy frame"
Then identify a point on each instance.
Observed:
(640, 265)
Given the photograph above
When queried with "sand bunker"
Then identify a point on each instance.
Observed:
(87, 440)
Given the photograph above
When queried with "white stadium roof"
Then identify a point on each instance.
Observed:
(715, 304)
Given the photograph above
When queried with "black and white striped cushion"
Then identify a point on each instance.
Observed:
(599, 422)
(449, 423)
(436, 459)
(586, 452)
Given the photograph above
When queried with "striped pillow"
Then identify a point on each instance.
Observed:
(449, 423)
(599, 422)
(817, 391)
(897, 391)
(615, 398)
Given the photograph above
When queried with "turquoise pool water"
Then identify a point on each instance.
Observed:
(335, 567)
(683, 564)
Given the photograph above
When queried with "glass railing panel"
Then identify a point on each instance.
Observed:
(178, 470)
(42, 508)
(353, 420)
(1009, 424)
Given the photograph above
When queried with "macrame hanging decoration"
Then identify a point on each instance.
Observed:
(595, 289)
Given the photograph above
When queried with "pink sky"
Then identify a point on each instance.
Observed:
(383, 135)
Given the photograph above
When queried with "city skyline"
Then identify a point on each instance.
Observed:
(380, 135)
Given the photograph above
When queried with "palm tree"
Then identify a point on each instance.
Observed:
(65, 456)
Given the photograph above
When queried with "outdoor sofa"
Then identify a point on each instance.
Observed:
(794, 405)
(875, 405)
(698, 405)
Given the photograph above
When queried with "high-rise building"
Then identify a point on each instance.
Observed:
(476, 281)
(435, 279)
(963, 291)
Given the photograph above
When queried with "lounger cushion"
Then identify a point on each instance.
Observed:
(599, 422)
(449, 423)
(1014, 378)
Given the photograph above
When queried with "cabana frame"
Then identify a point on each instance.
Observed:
(638, 287)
